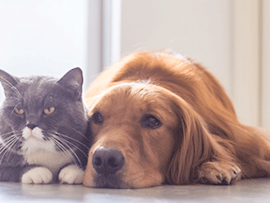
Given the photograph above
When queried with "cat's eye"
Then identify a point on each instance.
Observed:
(19, 111)
(49, 111)
(97, 118)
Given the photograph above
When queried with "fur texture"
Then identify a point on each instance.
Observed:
(43, 129)
(172, 122)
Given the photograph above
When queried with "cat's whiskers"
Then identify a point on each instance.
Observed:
(10, 136)
(5, 141)
(68, 137)
(8, 145)
(65, 153)
(15, 96)
(76, 147)
(62, 139)
(65, 144)
(12, 145)
(5, 134)
(15, 108)
(80, 133)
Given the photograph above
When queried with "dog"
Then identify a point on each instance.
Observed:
(159, 118)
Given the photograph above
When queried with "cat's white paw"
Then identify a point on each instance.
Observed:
(71, 174)
(38, 175)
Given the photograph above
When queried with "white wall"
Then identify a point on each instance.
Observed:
(49, 37)
(44, 37)
(246, 67)
(196, 28)
(224, 35)
(265, 105)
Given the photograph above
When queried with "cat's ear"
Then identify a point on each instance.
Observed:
(73, 80)
(8, 82)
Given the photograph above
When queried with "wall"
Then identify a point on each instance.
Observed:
(50, 37)
(44, 37)
(224, 35)
(198, 29)
(265, 73)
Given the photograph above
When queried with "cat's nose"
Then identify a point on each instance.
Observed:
(31, 126)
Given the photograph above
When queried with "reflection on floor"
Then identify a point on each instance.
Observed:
(255, 190)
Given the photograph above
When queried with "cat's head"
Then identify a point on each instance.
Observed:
(43, 112)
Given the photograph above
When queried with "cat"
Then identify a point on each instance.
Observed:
(44, 135)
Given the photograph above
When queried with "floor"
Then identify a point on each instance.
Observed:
(255, 190)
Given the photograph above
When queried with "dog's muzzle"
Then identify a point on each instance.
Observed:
(107, 162)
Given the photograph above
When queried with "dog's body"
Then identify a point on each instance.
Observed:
(157, 117)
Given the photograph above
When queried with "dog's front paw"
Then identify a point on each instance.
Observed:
(218, 173)
(71, 174)
(38, 175)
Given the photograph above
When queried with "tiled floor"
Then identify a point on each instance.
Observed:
(256, 190)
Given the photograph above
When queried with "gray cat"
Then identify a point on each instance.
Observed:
(43, 129)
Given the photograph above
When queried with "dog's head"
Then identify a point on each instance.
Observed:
(143, 136)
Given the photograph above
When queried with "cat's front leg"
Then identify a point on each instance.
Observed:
(37, 175)
(71, 174)
(12, 174)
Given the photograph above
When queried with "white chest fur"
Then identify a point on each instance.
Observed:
(51, 160)
(38, 151)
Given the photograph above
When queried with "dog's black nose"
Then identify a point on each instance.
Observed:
(107, 161)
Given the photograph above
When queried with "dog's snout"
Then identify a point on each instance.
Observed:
(107, 161)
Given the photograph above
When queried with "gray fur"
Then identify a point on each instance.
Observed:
(66, 128)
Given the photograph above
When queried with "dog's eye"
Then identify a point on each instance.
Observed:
(97, 118)
(150, 121)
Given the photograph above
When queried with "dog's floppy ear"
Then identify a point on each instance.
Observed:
(194, 145)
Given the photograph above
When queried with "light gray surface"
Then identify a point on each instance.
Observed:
(256, 190)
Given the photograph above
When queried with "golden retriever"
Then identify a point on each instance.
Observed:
(157, 117)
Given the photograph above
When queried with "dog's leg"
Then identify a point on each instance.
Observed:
(218, 173)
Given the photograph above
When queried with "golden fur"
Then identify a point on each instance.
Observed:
(199, 138)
